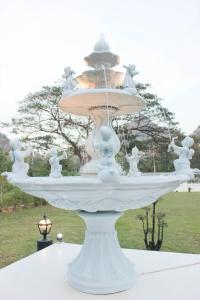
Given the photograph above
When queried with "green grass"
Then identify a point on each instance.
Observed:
(19, 232)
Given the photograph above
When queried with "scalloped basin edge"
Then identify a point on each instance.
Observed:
(90, 194)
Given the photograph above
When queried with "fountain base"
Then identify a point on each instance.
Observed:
(101, 267)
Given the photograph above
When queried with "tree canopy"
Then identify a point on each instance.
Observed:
(41, 122)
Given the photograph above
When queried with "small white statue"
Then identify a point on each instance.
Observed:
(70, 82)
(133, 161)
(108, 170)
(56, 167)
(182, 164)
(19, 167)
(129, 82)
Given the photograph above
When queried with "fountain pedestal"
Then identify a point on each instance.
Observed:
(101, 267)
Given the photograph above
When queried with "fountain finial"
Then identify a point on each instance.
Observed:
(102, 45)
(102, 56)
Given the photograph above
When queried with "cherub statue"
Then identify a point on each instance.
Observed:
(182, 164)
(19, 167)
(56, 167)
(109, 170)
(128, 79)
(133, 161)
(70, 82)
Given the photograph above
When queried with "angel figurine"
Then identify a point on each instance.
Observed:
(133, 161)
(128, 79)
(17, 155)
(70, 82)
(108, 170)
(56, 167)
(182, 164)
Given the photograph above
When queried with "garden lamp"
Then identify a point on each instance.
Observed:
(44, 226)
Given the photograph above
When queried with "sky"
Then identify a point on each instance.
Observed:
(162, 38)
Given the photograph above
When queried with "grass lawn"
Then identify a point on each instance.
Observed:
(19, 232)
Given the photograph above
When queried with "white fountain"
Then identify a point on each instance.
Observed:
(101, 194)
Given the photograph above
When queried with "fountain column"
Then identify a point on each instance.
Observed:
(101, 115)
(101, 267)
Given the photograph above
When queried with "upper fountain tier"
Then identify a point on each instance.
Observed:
(101, 87)
(85, 102)
(102, 56)
(101, 60)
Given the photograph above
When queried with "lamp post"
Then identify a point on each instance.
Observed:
(44, 226)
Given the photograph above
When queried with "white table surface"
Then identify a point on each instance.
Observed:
(161, 275)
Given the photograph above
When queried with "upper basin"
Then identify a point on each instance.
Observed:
(91, 194)
(81, 101)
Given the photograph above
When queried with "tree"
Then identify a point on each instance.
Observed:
(153, 227)
(150, 130)
(40, 121)
(195, 162)
(5, 165)
(40, 166)
(154, 121)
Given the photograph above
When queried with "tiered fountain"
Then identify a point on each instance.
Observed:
(101, 194)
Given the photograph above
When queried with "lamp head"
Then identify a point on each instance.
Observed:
(44, 226)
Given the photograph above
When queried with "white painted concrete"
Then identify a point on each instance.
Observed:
(43, 275)
(195, 187)
(92, 195)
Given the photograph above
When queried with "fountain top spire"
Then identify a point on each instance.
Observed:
(102, 57)
(99, 88)
(102, 45)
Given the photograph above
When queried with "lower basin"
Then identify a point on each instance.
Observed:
(101, 266)
(91, 194)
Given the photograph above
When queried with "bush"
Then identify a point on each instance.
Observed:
(12, 196)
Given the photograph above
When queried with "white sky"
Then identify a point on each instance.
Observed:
(40, 37)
